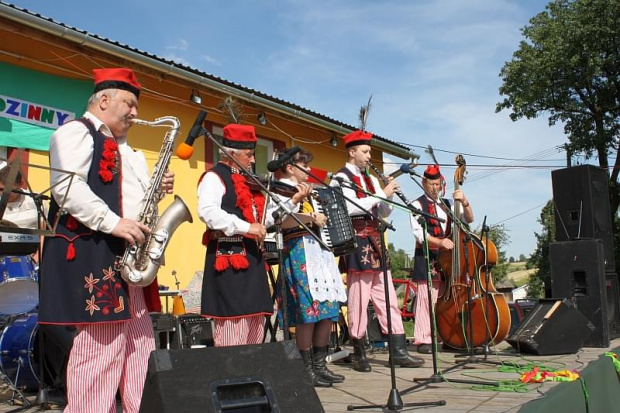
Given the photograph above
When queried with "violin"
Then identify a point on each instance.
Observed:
(276, 187)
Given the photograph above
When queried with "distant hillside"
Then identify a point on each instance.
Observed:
(518, 274)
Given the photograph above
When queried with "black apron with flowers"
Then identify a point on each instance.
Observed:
(433, 227)
(367, 256)
(78, 283)
(235, 280)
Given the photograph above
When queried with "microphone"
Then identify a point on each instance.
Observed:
(283, 158)
(405, 168)
(185, 149)
(332, 175)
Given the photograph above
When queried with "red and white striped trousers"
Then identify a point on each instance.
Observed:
(238, 331)
(107, 357)
(422, 329)
(361, 288)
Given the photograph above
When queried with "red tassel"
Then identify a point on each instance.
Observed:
(70, 252)
(72, 223)
(239, 262)
(221, 263)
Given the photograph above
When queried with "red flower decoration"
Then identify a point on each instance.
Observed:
(108, 165)
(431, 210)
(250, 203)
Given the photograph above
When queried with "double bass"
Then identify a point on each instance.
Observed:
(470, 312)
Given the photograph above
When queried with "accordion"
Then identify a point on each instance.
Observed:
(338, 234)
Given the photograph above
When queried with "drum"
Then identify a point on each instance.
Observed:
(20, 352)
(17, 352)
(19, 289)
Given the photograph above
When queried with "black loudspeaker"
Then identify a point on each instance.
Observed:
(613, 304)
(193, 331)
(373, 328)
(581, 197)
(578, 272)
(163, 328)
(259, 378)
(552, 327)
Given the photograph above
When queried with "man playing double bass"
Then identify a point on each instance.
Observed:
(438, 238)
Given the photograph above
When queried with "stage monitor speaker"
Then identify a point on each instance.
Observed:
(554, 326)
(581, 197)
(240, 379)
(578, 272)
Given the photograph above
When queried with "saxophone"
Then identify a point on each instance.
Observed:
(140, 263)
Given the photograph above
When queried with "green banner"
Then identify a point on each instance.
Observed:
(33, 104)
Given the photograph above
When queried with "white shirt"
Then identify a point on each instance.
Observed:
(367, 202)
(418, 231)
(71, 149)
(22, 213)
(211, 190)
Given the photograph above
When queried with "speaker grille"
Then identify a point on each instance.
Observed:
(613, 304)
(581, 197)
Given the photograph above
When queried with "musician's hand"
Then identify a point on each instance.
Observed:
(391, 188)
(319, 219)
(446, 244)
(258, 230)
(131, 231)
(303, 191)
(458, 195)
(167, 183)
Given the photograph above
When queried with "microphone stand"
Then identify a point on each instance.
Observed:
(438, 376)
(394, 402)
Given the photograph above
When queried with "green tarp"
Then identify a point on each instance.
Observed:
(33, 104)
(602, 385)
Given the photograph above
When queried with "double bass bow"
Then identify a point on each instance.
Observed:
(471, 312)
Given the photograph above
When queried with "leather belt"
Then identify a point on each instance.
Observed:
(219, 235)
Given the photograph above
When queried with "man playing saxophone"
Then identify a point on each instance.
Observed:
(79, 284)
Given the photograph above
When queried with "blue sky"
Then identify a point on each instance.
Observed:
(432, 68)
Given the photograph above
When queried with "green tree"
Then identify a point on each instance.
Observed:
(568, 67)
(399, 260)
(511, 260)
(499, 235)
(522, 258)
(540, 258)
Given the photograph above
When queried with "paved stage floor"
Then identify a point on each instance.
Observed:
(364, 389)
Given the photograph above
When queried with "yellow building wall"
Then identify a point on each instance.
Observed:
(165, 95)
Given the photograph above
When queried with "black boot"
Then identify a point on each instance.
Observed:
(360, 362)
(317, 381)
(401, 357)
(320, 367)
